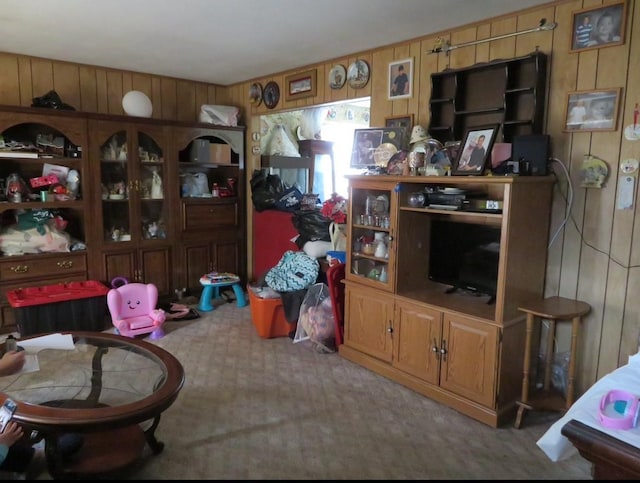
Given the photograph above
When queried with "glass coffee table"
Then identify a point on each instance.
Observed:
(109, 388)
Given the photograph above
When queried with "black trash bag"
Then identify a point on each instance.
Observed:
(266, 190)
(51, 100)
(312, 225)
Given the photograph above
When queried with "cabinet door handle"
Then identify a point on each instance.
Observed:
(435, 349)
(20, 269)
(65, 264)
(390, 329)
(443, 350)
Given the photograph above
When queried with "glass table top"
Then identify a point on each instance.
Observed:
(110, 376)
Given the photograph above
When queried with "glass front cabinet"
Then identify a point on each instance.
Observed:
(132, 221)
(371, 235)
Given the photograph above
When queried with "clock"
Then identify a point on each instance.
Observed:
(271, 94)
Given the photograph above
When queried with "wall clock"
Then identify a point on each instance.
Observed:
(358, 74)
(337, 76)
(271, 94)
(255, 93)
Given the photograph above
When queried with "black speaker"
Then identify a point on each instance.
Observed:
(532, 151)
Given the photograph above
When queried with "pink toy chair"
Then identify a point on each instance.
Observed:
(133, 310)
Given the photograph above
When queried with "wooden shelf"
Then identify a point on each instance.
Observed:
(511, 89)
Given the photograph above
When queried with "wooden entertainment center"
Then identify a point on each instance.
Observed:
(463, 349)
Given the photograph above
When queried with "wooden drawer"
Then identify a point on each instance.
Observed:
(56, 265)
(200, 216)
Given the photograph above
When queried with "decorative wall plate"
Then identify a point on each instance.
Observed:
(337, 76)
(271, 94)
(255, 93)
(358, 74)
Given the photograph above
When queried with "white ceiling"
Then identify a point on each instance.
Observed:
(226, 41)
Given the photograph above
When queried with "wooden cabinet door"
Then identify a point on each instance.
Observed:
(147, 265)
(155, 267)
(226, 256)
(469, 364)
(417, 341)
(196, 262)
(118, 264)
(369, 322)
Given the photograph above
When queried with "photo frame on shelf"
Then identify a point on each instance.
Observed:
(592, 110)
(403, 122)
(373, 147)
(401, 79)
(300, 85)
(597, 27)
(474, 152)
(399, 121)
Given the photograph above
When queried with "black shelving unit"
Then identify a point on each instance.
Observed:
(508, 92)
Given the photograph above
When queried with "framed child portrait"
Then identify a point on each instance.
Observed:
(600, 26)
(592, 110)
(474, 153)
(401, 79)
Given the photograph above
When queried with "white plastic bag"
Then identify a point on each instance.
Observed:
(316, 321)
(219, 115)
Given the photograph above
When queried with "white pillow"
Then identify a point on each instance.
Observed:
(317, 249)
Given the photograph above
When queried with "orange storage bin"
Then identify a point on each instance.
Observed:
(268, 317)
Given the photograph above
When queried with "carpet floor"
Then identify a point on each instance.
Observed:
(269, 409)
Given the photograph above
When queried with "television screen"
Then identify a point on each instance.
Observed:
(465, 256)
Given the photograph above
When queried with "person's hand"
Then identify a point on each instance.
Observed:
(11, 362)
(12, 432)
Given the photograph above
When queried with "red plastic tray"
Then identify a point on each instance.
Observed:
(61, 292)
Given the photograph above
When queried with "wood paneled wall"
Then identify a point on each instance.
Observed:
(595, 258)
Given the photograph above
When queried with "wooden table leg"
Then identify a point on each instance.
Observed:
(575, 326)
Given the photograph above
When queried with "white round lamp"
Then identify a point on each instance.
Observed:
(136, 103)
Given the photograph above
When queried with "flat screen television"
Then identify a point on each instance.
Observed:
(465, 256)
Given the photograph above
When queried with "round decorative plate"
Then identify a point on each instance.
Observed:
(271, 94)
(383, 153)
(358, 74)
(255, 93)
(337, 76)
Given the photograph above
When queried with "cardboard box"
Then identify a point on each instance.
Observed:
(219, 153)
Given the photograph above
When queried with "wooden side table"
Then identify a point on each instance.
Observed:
(553, 309)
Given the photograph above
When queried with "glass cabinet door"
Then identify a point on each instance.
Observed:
(133, 182)
(151, 188)
(116, 188)
(371, 258)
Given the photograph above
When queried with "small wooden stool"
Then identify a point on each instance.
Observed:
(554, 309)
(211, 290)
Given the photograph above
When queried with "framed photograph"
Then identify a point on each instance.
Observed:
(401, 79)
(601, 26)
(399, 121)
(300, 85)
(475, 149)
(595, 110)
(374, 147)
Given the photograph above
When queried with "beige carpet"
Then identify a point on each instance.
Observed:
(254, 408)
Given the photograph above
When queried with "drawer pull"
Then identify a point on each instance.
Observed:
(20, 269)
(65, 264)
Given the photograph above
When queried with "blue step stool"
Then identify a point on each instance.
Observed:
(211, 290)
